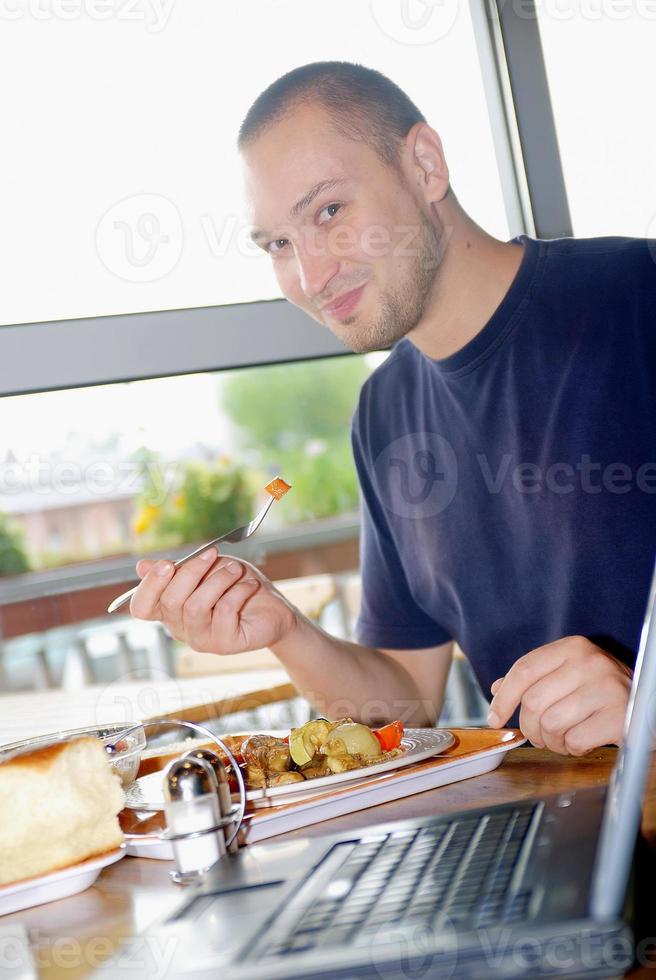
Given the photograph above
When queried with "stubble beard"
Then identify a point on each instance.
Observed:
(402, 307)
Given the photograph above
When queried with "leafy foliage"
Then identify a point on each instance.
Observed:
(13, 559)
(296, 419)
(209, 500)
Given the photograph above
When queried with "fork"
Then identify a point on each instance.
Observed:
(238, 534)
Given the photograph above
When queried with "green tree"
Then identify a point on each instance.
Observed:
(286, 405)
(295, 419)
(13, 559)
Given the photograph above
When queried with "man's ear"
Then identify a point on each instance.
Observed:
(426, 160)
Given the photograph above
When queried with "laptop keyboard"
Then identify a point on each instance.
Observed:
(457, 873)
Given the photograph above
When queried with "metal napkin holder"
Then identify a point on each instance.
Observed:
(234, 817)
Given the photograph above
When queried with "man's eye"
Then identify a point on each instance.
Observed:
(276, 245)
(330, 209)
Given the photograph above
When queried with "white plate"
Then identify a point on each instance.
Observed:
(419, 744)
(56, 884)
(151, 846)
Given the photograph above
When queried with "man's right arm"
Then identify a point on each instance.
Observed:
(368, 684)
(223, 607)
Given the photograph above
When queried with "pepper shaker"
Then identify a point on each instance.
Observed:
(193, 818)
(225, 797)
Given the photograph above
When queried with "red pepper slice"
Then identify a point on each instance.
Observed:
(390, 735)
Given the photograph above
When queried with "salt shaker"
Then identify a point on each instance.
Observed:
(193, 817)
(225, 798)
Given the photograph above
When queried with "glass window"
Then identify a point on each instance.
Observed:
(92, 477)
(599, 58)
(149, 465)
(121, 183)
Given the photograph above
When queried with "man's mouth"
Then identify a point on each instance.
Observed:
(341, 307)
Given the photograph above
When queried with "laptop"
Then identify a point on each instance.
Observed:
(541, 887)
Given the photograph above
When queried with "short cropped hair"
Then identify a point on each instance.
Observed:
(364, 105)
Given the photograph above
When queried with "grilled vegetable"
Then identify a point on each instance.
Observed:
(267, 753)
(282, 778)
(390, 735)
(351, 738)
(342, 763)
(317, 768)
(305, 741)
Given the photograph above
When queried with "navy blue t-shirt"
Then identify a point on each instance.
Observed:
(509, 490)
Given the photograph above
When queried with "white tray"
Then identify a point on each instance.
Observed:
(286, 815)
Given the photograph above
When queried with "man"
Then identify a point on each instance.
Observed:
(505, 448)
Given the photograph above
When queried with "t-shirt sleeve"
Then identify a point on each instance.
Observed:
(389, 616)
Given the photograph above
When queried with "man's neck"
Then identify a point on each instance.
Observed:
(472, 280)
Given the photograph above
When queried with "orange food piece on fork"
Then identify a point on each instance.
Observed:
(277, 488)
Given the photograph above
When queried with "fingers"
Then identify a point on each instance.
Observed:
(163, 589)
(553, 706)
(563, 716)
(561, 722)
(551, 688)
(522, 675)
(198, 608)
(144, 604)
(530, 727)
(200, 601)
(603, 727)
(572, 696)
(228, 611)
(542, 697)
(186, 579)
(212, 615)
(144, 565)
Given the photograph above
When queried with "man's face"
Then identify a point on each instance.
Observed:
(350, 243)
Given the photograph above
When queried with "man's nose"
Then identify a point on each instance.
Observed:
(316, 268)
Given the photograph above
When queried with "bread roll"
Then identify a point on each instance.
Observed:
(58, 806)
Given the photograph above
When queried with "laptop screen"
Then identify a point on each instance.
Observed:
(624, 802)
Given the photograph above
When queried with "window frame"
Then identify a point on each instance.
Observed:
(75, 353)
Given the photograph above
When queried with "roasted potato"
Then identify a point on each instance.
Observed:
(267, 752)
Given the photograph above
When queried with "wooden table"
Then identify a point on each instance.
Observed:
(74, 934)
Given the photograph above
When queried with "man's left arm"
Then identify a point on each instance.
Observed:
(572, 696)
